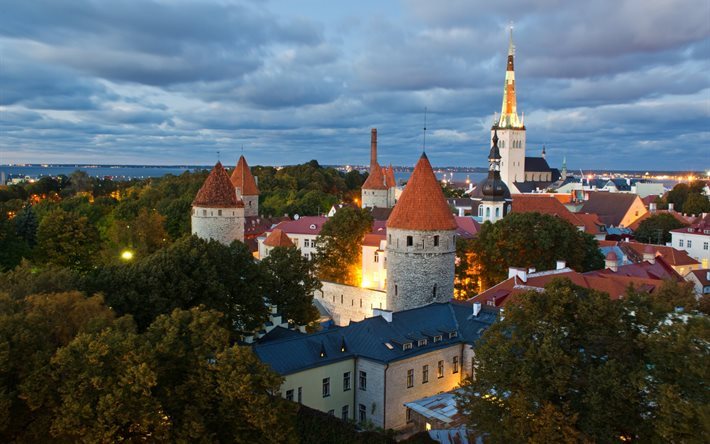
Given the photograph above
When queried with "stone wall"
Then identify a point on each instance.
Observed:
(373, 397)
(375, 198)
(421, 273)
(347, 303)
(251, 205)
(221, 224)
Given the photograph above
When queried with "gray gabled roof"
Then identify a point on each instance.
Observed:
(368, 338)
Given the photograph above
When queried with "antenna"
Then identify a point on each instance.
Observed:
(424, 145)
(218, 159)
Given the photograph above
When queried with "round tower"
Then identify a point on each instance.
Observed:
(421, 244)
(374, 191)
(216, 212)
(246, 188)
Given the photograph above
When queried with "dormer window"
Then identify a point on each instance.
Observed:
(407, 346)
(453, 334)
(312, 227)
(421, 342)
(438, 338)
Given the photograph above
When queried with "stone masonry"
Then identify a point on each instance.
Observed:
(221, 224)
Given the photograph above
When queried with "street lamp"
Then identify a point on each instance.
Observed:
(127, 255)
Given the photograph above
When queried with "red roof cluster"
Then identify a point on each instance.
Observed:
(243, 179)
(278, 238)
(422, 205)
(376, 179)
(674, 257)
(217, 191)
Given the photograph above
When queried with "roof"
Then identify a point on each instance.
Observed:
(536, 164)
(243, 179)
(373, 240)
(390, 181)
(591, 222)
(702, 276)
(217, 191)
(674, 257)
(303, 225)
(379, 213)
(610, 207)
(679, 217)
(376, 179)
(468, 227)
(441, 406)
(701, 228)
(530, 186)
(658, 270)
(254, 226)
(422, 205)
(278, 238)
(529, 203)
(369, 338)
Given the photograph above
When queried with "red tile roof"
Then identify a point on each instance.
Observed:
(217, 191)
(529, 203)
(702, 276)
(376, 179)
(610, 207)
(373, 240)
(672, 256)
(278, 238)
(592, 224)
(701, 228)
(303, 225)
(468, 227)
(242, 178)
(422, 205)
(679, 217)
(389, 177)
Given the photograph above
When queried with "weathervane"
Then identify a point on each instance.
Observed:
(424, 144)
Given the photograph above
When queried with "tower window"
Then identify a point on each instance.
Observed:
(204, 212)
(219, 212)
(395, 289)
(433, 292)
(436, 240)
(410, 241)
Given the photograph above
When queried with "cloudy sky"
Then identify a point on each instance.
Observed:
(608, 83)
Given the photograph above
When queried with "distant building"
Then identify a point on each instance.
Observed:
(695, 240)
(379, 187)
(496, 201)
(245, 186)
(700, 280)
(302, 232)
(614, 209)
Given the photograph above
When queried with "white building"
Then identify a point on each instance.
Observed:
(695, 240)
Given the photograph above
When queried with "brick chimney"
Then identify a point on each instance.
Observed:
(373, 146)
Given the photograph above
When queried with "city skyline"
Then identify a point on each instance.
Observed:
(615, 87)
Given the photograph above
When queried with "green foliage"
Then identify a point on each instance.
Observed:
(340, 245)
(656, 229)
(186, 274)
(315, 427)
(682, 192)
(289, 282)
(465, 274)
(67, 239)
(26, 225)
(532, 240)
(27, 279)
(12, 247)
(144, 234)
(696, 204)
(571, 365)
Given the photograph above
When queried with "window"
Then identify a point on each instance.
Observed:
(341, 298)
(300, 395)
(425, 374)
(433, 293)
(395, 289)
(407, 346)
(680, 243)
(377, 257)
(363, 380)
(410, 378)
(362, 411)
(705, 245)
(326, 387)
(436, 241)
(440, 370)
(410, 241)
(456, 364)
(346, 381)
(204, 212)
(409, 415)
(421, 342)
(331, 412)
(219, 212)
(345, 413)
(453, 334)
(437, 338)
(306, 242)
(289, 395)
(690, 243)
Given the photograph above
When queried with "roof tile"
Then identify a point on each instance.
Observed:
(217, 191)
(242, 178)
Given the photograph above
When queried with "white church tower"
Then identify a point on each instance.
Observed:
(510, 129)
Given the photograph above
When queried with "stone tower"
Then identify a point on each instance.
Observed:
(421, 244)
(391, 183)
(496, 202)
(246, 188)
(374, 190)
(510, 128)
(216, 212)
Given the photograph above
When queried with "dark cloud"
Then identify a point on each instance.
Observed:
(618, 84)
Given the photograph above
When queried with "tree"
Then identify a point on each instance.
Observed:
(12, 247)
(656, 228)
(532, 240)
(570, 365)
(27, 279)
(696, 204)
(145, 234)
(26, 225)
(466, 277)
(186, 274)
(68, 240)
(289, 283)
(340, 245)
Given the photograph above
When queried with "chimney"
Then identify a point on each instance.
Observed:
(518, 272)
(649, 255)
(561, 264)
(670, 206)
(610, 262)
(373, 146)
(476, 308)
(652, 207)
(386, 314)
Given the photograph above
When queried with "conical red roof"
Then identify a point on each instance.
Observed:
(389, 177)
(376, 180)
(243, 179)
(278, 238)
(217, 191)
(422, 205)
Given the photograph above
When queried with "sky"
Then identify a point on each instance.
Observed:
(610, 84)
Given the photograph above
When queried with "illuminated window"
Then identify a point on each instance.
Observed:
(440, 370)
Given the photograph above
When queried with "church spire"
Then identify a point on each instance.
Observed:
(509, 111)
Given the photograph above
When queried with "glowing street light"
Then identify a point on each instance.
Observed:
(126, 255)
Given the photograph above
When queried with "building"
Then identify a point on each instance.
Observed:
(302, 232)
(216, 212)
(677, 259)
(614, 209)
(695, 240)
(421, 244)
(496, 201)
(245, 186)
(518, 172)
(379, 187)
(700, 280)
(370, 369)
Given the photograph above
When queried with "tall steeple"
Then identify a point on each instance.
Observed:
(509, 111)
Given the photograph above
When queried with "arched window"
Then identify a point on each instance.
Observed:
(488, 212)
(480, 210)
(433, 293)
(502, 143)
(497, 213)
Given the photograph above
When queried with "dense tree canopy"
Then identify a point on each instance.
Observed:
(570, 365)
(681, 192)
(531, 240)
(340, 245)
(656, 229)
(696, 204)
